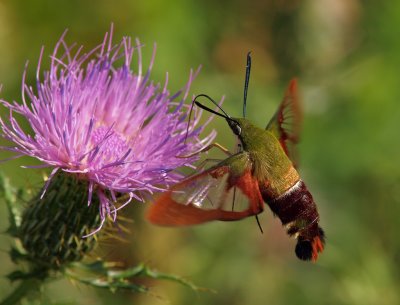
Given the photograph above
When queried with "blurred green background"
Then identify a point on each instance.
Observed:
(345, 54)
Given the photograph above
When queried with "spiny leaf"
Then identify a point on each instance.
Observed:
(105, 275)
(8, 192)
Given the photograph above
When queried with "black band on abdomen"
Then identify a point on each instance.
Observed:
(296, 205)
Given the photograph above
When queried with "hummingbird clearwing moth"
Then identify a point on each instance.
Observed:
(263, 171)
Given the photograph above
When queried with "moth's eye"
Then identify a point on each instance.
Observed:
(236, 129)
(234, 125)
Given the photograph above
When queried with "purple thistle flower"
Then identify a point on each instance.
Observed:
(105, 124)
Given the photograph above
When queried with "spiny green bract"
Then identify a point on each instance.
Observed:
(52, 228)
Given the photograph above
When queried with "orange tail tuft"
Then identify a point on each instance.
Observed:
(308, 248)
(318, 247)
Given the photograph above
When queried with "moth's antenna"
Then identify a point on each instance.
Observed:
(208, 109)
(188, 124)
(226, 116)
(246, 82)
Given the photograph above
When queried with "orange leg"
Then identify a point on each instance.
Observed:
(207, 148)
(205, 161)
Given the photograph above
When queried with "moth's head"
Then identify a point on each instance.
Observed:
(239, 126)
(235, 125)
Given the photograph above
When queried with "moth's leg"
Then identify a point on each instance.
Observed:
(212, 145)
(205, 161)
(259, 224)
(233, 198)
(201, 166)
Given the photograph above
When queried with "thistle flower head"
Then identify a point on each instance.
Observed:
(104, 123)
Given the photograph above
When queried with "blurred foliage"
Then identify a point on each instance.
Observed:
(345, 54)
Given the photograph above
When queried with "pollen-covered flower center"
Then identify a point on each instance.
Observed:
(111, 145)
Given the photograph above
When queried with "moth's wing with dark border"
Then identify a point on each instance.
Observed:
(285, 124)
(209, 196)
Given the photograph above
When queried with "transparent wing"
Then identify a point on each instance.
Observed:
(210, 196)
(285, 124)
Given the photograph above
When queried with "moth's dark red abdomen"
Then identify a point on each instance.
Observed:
(298, 212)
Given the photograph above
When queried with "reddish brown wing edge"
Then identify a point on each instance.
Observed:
(286, 123)
(165, 211)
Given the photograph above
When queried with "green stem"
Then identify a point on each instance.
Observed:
(23, 289)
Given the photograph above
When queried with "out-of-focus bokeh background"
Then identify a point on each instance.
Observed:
(345, 54)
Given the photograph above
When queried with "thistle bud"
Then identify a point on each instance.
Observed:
(52, 227)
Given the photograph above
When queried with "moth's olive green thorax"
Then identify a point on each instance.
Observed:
(270, 162)
(250, 135)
